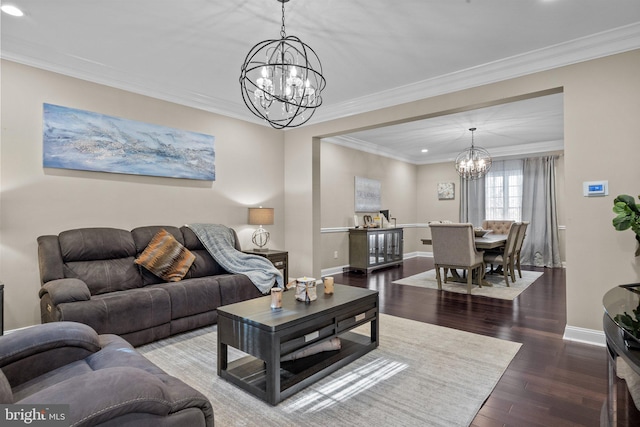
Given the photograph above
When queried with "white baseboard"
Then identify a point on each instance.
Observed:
(586, 336)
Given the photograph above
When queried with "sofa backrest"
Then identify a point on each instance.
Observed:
(101, 257)
(204, 264)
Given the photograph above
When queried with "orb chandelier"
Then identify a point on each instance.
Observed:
(281, 80)
(474, 162)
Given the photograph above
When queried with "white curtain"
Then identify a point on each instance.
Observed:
(472, 199)
(541, 248)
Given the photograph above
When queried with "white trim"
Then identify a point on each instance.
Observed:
(586, 336)
(594, 46)
(517, 150)
(335, 229)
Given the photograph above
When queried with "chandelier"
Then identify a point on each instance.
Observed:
(474, 162)
(281, 80)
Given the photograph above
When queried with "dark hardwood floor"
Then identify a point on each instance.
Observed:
(551, 382)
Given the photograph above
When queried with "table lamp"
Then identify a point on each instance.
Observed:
(260, 216)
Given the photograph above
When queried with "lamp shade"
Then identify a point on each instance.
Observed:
(260, 216)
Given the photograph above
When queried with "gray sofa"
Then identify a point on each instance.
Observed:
(88, 275)
(101, 377)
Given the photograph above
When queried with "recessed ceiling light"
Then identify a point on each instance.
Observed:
(424, 150)
(11, 10)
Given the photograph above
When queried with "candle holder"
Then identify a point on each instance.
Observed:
(328, 285)
(306, 289)
(276, 298)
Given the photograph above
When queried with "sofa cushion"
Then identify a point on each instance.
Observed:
(235, 288)
(204, 264)
(193, 296)
(100, 257)
(121, 312)
(165, 257)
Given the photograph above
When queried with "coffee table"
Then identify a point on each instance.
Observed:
(266, 335)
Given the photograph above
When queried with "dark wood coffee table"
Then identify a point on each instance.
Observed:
(266, 335)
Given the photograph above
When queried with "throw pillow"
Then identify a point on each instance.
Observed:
(165, 257)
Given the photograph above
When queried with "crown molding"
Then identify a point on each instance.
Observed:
(519, 150)
(598, 45)
(594, 46)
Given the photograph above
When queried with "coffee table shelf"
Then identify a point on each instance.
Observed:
(266, 335)
(252, 370)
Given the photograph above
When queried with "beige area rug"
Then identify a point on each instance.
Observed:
(420, 375)
(498, 289)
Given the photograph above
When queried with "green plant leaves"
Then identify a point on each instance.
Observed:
(628, 214)
(629, 323)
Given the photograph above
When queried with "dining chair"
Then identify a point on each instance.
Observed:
(454, 247)
(500, 226)
(521, 235)
(506, 257)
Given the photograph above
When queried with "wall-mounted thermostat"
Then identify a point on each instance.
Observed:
(595, 188)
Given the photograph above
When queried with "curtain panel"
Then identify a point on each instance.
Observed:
(541, 247)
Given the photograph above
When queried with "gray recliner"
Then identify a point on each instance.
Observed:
(101, 377)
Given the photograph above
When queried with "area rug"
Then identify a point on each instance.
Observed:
(420, 375)
(498, 288)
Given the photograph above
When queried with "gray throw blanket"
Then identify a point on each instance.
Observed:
(219, 241)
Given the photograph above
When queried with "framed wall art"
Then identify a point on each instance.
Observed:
(446, 191)
(367, 195)
(83, 140)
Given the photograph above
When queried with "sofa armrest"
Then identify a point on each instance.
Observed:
(65, 290)
(31, 352)
(106, 394)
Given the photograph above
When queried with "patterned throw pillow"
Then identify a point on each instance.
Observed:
(165, 257)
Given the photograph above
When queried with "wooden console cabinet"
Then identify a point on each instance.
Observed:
(374, 248)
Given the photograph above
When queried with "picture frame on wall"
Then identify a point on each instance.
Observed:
(446, 191)
(367, 195)
(88, 141)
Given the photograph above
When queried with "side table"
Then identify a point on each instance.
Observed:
(280, 259)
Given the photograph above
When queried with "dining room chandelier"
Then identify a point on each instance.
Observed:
(282, 81)
(474, 162)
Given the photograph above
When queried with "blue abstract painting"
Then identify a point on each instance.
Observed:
(82, 140)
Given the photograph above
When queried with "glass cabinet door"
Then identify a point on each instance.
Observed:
(372, 249)
(381, 247)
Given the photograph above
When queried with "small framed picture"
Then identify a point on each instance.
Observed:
(446, 191)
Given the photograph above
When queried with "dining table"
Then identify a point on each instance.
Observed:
(488, 241)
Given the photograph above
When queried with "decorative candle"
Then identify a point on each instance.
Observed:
(276, 298)
(328, 285)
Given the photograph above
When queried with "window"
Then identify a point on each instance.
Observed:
(503, 186)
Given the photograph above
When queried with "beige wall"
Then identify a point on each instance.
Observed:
(409, 191)
(432, 209)
(36, 201)
(339, 166)
(601, 142)
(601, 110)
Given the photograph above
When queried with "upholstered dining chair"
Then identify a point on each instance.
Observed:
(506, 257)
(497, 226)
(454, 247)
(521, 235)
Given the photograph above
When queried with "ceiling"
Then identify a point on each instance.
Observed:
(374, 54)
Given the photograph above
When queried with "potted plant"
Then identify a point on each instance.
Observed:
(628, 216)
